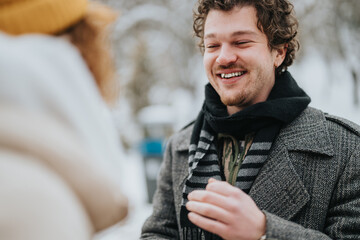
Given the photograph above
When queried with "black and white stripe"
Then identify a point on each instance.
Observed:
(204, 164)
(204, 161)
(250, 167)
(201, 171)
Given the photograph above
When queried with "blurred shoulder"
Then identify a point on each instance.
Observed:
(35, 43)
(38, 49)
(42, 64)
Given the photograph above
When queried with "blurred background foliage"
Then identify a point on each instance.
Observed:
(159, 63)
(333, 28)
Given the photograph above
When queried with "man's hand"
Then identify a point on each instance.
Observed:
(226, 211)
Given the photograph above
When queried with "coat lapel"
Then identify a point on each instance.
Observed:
(278, 188)
(182, 151)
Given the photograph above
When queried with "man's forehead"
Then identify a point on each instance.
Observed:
(234, 34)
(239, 21)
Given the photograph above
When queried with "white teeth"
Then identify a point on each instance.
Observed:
(230, 75)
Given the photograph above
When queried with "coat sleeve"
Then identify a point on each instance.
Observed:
(343, 218)
(162, 223)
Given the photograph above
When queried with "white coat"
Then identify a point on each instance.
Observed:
(60, 170)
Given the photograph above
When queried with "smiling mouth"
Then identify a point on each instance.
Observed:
(231, 75)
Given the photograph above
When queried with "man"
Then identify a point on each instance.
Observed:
(257, 163)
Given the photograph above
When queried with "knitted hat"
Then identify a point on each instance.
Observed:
(39, 16)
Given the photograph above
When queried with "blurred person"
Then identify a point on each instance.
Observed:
(258, 162)
(60, 161)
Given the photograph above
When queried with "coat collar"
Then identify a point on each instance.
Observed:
(307, 133)
(183, 139)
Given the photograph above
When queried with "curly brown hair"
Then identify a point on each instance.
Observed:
(276, 19)
(91, 35)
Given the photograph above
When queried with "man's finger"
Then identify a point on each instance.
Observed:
(212, 180)
(207, 197)
(207, 224)
(209, 211)
(224, 188)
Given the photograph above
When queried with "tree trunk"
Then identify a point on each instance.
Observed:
(356, 87)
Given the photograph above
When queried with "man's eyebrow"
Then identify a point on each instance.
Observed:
(244, 32)
(234, 34)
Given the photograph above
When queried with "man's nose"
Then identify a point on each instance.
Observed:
(226, 56)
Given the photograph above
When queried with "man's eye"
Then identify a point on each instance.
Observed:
(241, 42)
(212, 46)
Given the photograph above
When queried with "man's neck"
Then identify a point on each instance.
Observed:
(233, 109)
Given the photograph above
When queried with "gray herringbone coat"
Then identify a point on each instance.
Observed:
(309, 188)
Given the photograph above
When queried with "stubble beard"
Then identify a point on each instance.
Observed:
(237, 101)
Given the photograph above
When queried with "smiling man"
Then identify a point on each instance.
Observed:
(258, 162)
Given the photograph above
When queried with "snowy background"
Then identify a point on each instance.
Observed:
(162, 78)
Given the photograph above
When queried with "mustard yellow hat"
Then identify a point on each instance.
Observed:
(40, 16)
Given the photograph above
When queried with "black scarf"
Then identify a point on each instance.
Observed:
(285, 102)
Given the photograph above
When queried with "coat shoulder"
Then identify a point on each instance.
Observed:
(333, 121)
(344, 123)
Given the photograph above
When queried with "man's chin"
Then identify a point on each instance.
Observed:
(232, 102)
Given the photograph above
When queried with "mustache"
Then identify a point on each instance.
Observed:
(229, 66)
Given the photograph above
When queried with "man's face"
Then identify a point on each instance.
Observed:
(237, 59)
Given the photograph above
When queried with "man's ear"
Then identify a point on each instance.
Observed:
(280, 53)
